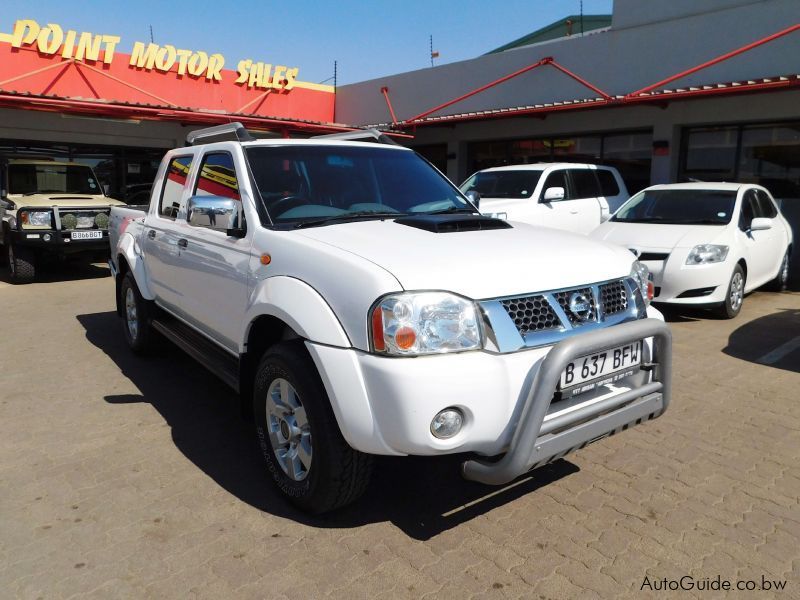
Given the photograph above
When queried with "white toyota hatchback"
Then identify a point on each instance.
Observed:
(705, 243)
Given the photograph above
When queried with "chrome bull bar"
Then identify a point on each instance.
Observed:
(535, 443)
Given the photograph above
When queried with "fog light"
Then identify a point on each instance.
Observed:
(46, 237)
(447, 423)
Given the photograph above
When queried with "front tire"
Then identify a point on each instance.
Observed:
(306, 455)
(735, 296)
(21, 263)
(136, 316)
(781, 281)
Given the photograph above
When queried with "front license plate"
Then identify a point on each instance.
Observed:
(86, 235)
(601, 364)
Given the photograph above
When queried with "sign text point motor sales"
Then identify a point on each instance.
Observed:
(51, 39)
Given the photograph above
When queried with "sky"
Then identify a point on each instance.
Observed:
(367, 39)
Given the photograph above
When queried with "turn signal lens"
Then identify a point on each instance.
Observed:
(651, 291)
(404, 338)
(377, 330)
(23, 217)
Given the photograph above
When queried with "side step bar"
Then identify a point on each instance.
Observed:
(208, 354)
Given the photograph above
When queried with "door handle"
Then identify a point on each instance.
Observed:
(183, 243)
(151, 234)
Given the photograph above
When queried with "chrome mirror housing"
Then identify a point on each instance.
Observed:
(214, 212)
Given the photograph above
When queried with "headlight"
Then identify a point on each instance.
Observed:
(36, 218)
(411, 324)
(644, 280)
(706, 253)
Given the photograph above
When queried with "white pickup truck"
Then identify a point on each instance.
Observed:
(361, 306)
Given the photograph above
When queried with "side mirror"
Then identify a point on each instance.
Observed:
(106, 189)
(553, 194)
(215, 212)
(474, 197)
(760, 224)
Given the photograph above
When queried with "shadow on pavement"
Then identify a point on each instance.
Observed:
(69, 270)
(421, 496)
(755, 340)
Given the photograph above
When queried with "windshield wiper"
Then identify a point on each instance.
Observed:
(357, 215)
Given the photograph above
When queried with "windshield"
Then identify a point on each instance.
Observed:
(679, 207)
(503, 184)
(309, 183)
(46, 179)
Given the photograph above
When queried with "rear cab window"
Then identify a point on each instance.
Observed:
(174, 184)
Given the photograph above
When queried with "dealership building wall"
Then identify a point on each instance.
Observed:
(648, 41)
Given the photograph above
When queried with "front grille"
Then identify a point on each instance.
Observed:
(531, 313)
(654, 256)
(564, 298)
(614, 297)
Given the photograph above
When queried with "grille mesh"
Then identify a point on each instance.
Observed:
(532, 313)
(614, 297)
(563, 301)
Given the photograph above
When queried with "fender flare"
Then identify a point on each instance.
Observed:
(129, 249)
(298, 305)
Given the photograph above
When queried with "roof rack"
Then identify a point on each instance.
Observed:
(229, 131)
(358, 134)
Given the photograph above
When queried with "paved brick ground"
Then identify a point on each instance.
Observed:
(125, 478)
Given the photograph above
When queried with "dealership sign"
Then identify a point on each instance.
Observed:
(52, 40)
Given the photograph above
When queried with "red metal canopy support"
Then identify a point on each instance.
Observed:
(714, 61)
(385, 92)
(548, 60)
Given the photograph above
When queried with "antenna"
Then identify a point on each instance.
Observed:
(581, 17)
(434, 53)
(151, 34)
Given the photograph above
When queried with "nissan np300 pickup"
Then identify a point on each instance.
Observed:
(362, 306)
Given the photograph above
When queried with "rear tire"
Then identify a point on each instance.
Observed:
(735, 296)
(306, 455)
(136, 315)
(21, 263)
(781, 281)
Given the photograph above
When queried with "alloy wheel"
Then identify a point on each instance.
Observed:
(131, 315)
(289, 430)
(737, 291)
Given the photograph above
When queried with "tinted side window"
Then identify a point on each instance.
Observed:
(557, 179)
(217, 176)
(174, 182)
(584, 184)
(608, 183)
(749, 210)
(768, 209)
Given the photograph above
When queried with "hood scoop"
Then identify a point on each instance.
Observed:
(87, 197)
(452, 223)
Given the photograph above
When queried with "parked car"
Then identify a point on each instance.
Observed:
(705, 243)
(50, 208)
(570, 196)
(361, 306)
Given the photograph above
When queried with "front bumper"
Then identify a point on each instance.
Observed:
(385, 405)
(58, 242)
(679, 283)
(536, 443)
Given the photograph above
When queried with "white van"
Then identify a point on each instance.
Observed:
(575, 197)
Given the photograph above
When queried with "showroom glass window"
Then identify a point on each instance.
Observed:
(174, 183)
